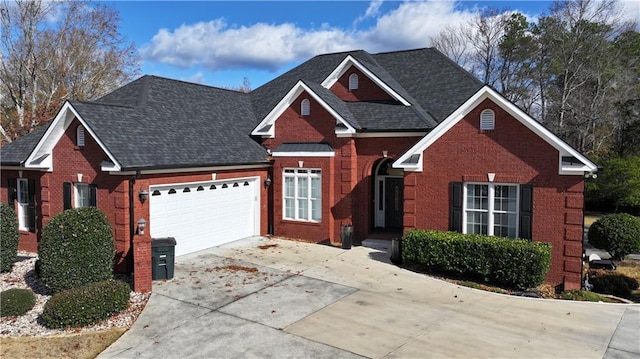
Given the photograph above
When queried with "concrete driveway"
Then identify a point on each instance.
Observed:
(271, 298)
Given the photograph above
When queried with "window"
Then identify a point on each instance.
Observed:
(491, 209)
(80, 136)
(22, 195)
(82, 195)
(305, 107)
(77, 195)
(302, 194)
(23, 203)
(487, 120)
(353, 82)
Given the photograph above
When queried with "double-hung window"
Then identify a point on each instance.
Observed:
(491, 209)
(302, 194)
(22, 192)
(82, 195)
(22, 195)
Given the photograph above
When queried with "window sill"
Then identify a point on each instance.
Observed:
(305, 223)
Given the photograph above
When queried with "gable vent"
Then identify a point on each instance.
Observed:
(353, 82)
(80, 136)
(487, 120)
(305, 107)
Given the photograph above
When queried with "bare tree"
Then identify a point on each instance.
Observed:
(52, 51)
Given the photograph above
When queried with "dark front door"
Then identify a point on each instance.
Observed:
(393, 203)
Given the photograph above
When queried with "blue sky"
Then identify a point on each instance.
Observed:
(220, 42)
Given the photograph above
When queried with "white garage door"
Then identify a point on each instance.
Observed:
(205, 214)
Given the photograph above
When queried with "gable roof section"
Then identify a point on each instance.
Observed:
(41, 157)
(373, 72)
(163, 124)
(412, 159)
(346, 123)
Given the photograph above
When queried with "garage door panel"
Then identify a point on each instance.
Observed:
(206, 215)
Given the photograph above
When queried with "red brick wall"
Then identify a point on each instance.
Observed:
(346, 178)
(515, 155)
(367, 90)
(369, 151)
(28, 241)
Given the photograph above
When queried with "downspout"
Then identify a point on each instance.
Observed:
(132, 224)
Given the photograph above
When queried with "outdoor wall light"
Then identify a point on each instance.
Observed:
(385, 153)
(142, 224)
(143, 194)
(267, 182)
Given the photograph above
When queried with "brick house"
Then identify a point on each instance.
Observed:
(385, 142)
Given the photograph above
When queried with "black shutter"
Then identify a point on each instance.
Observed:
(526, 210)
(66, 195)
(32, 205)
(455, 219)
(93, 195)
(12, 193)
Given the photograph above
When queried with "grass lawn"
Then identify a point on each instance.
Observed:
(82, 345)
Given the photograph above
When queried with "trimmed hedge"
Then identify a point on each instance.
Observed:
(613, 283)
(76, 249)
(9, 237)
(618, 234)
(16, 301)
(514, 263)
(86, 305)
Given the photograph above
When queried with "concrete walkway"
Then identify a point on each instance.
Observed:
(270, 298)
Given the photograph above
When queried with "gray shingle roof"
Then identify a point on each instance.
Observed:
(303, 147)
(155, 122)
(174, 124)
(16, 152)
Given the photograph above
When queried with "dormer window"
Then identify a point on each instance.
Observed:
(487, 120)
(305, 107)
(80, 136)
(353, 82)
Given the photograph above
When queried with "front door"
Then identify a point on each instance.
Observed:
(393, 202)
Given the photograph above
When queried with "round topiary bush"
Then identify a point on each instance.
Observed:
(86, 305)
(8, 237)
(16, 301)
(76, 249)
(618, 234)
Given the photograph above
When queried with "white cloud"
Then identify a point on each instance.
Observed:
(372, 11)
(217, 45)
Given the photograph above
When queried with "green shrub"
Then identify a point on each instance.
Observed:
(581, 295)
(16, 301)
(511, 262)
(618, 234)
(86, 305)
(613, 283)
(76, 249)
(8, 237)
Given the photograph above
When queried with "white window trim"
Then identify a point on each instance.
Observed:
(490, 210)
(297, 173)
(23, 203)
(353, 82)
(305, 107)
(76, 194)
